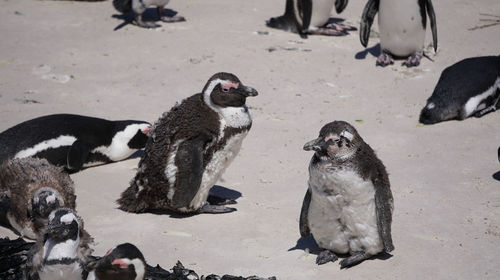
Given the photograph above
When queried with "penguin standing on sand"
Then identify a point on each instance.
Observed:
(63, 251)
(74, 141)
(189, 148)
(140, 6)
(30, 189)
(402, 26)
(311, 17)
(470, 87)
(348, 205)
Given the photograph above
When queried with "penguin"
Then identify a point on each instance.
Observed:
(348, 205)
(311, 17)
(140, 6)
(62, 251)
(13, 257)
(30, 189)
(74, 141)
(402, 25)
(470, 87)
(189, 148)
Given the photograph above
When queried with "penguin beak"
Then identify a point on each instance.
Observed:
(246, 91)
(315, 145)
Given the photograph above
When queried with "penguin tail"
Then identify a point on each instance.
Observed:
(130, 201)
(123, 6)
(282, 23)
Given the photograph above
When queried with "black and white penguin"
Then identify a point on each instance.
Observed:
(63, 251)
(189, 148)
(470, 87)
(124, 262)
(311, 17)
(348, 205)
(402, 26)
(30, 189)
(140, 6)
(74, 141)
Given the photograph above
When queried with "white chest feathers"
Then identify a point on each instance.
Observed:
(53, 251)
(342, 215)
(321, 11)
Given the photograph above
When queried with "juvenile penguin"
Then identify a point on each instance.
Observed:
(189, 149)
(30, 189)
(140, 6)
(402, 26)
(470, 87)
(74, 141)
(311, 17)
(62, 251)
(348, 205)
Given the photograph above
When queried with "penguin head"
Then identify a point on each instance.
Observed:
(132, 133)
(337, 140)
(225, 90)
(437, 110)
(44, 201)
(63, 225)
(124, 262)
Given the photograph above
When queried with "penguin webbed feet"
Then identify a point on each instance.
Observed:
(485, 111)
(354, 259)
(145, 24)
(208, 208)
(384, 59)
(333, 29)
(413, 60)
(217, 200)
(326, 256)
(166, 18)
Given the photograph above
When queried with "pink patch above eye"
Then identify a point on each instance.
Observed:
(146, 130)
(121, 263)
(331, 137)
(228, 86)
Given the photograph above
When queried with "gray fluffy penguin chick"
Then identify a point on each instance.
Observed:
(348, 205)
(140, 6)
(30, 189)
(402, 25)
(62, 252)
(189, 148)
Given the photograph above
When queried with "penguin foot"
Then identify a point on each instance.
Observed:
(413, 60)
(172, 19)
(217, 200)
(215, 209)
(145, 24)
(326, 256)
(354, 259)
(485, 111)
(341, 27)
(328, 32)
(384, 59)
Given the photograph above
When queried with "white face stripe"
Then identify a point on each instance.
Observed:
(138, 265)
(472, 104)
(51, 198)
(63, 140)
(347, 135)
(431, 105)
(68, 218)
(118, 149)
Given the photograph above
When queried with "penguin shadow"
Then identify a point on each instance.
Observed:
(496, 176)
(375, 51)
(217, 193)
(151, 14)
(309, 243)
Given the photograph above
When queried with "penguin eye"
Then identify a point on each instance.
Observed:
(225, 89)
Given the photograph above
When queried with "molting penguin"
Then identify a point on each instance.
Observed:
(311, 17)
(402, 26)
(74, 141)
(140, 6)
(348, 205)
(62, 251)
(468, 87)
(30, 189)
(189, 149)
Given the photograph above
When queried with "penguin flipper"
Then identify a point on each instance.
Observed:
(340, 5)
(304, 212)
(77, 154)
(383, 204)
(189, 162)
(432, 17)
(367, 17)
(305, 10)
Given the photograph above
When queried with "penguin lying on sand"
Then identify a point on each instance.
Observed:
(348, 205)
(189, 149)
(30, 189)
(73, 141)
(140, 6)
(311, 17)
(62, 252)
(402, 26)
(468, 87)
